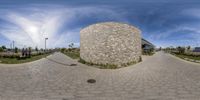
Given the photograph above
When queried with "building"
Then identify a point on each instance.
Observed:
(196, 49)
(147, 46)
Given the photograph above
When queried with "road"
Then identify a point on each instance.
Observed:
(159, 77)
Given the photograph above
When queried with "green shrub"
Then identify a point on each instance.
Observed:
(63, 50)
(148, 52)
(107, 66)
(1, 49)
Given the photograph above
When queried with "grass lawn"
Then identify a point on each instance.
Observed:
(186, 56)
(73, 54)
(17, 61)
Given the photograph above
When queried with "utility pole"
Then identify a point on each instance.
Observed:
(10, 45)
(45, 43)
(13, 46)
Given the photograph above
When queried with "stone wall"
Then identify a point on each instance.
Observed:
(110, 43)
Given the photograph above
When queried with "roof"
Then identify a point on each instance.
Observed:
(147, 42)
(198, 48)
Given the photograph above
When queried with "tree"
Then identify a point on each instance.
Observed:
(181, 50)
(41, 49)
(23, 52)
(29, 51)
(71, 45)
(63, 50)
(160, 48)
(188, 48)
(36, 49)
(16, 50)
(3, 47)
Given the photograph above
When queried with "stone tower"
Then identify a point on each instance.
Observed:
(110, 43)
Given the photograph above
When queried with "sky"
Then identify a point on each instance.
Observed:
(162, 22)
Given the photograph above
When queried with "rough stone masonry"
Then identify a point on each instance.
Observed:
(110, 43)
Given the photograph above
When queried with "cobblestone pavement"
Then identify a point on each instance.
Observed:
(160, 77)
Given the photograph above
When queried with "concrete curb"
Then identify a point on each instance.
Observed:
(189, 60)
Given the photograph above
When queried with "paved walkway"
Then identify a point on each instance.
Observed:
(160, 77)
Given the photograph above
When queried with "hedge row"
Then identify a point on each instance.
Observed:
(18, 55)
(9, 55)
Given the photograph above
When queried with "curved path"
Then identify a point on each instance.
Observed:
(160, 77)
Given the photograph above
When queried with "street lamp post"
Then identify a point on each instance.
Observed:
(13, 44)
(10, 46)
(45, 43)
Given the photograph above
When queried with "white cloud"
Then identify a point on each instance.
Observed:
(165, 39)
(195, 12)
(67, 38)
(166, 34)
(30, 27)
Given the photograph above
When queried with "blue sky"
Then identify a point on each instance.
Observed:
(162, 22)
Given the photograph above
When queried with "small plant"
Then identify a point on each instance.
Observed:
(140, 59)
(101, 66)
(82, 61)
(131, 63)
(108, 66)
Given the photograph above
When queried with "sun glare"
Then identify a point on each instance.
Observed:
(33, 29)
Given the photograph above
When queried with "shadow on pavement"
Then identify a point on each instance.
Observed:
(61, 63)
